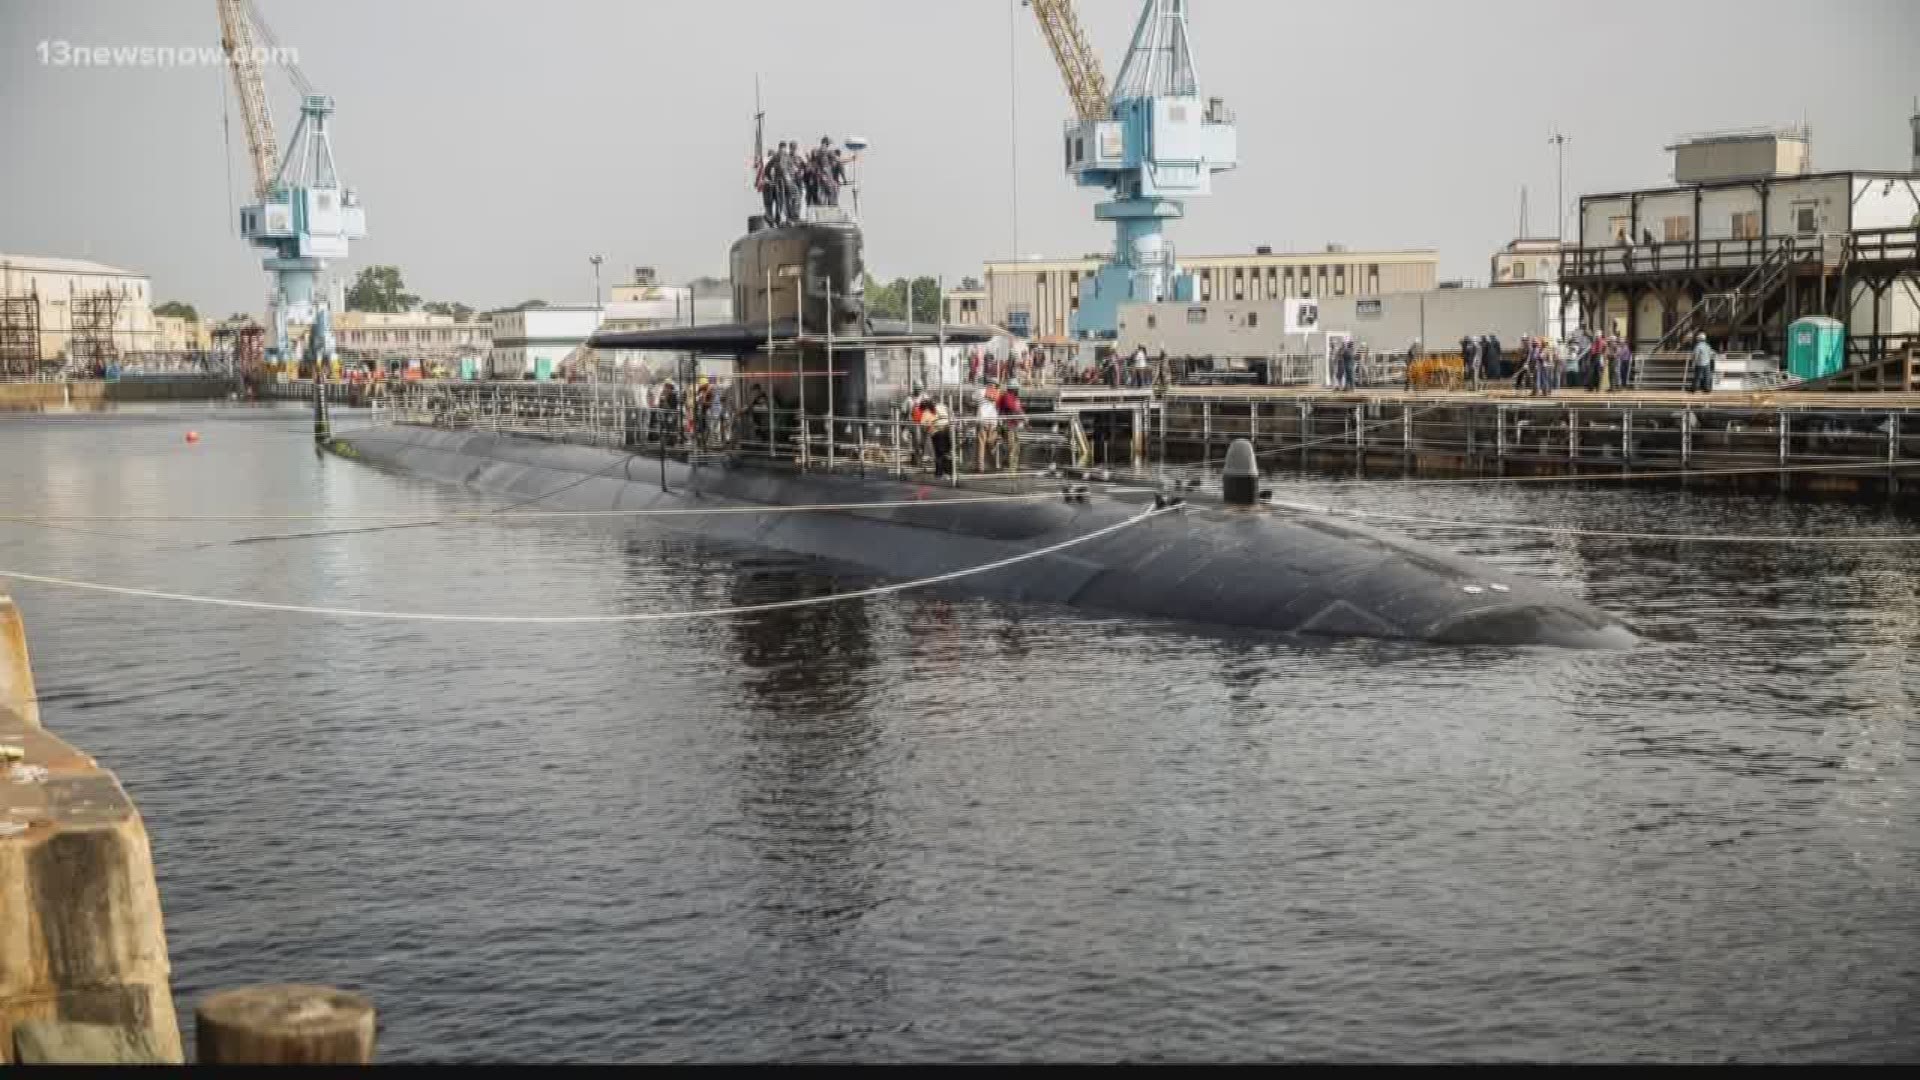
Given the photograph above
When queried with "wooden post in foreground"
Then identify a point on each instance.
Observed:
(286, 1024)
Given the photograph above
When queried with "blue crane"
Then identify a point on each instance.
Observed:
(1152, 141)
(302, 215)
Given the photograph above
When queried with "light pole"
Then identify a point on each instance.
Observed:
(1013, 120)
(1559, 142)
(593, 358)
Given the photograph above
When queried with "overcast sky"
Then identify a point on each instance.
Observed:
(498, 144)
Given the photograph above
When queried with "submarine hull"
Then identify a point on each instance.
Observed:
(1227, 566)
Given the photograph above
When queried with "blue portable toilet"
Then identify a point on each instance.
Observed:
(1816, 347)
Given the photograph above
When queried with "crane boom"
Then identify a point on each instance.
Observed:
(1079, 64)
(236, 40)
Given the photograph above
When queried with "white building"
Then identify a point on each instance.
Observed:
(1038, 299)
(1751, 224)
(54, 309)
(645, 304)
(1526, 261)
(532, 343)
(410, 335)
(1230, 332)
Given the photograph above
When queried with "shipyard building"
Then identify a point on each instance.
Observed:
(1750, 237)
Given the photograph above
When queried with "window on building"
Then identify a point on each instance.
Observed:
(1746, 225)
(1253, 319)
(1677, 230)
(1519, 269)
(1340, 281)
(1196, 314)
(1806, 218)
(1373, 280)
(1153, 321)
(1239, 285)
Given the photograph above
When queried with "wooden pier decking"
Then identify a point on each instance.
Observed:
(1832, 442)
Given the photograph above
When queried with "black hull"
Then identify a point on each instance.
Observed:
(1252, 568)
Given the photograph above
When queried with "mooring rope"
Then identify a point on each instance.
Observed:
(1673, 474)
(1606, 534)
(653, 616)
(511, 514)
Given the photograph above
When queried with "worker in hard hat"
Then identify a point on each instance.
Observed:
(1701, 377)
(1011, 410)
(987, 411)
(938, 423)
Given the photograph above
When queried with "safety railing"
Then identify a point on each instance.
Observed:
(1592, 435)
(622, 417)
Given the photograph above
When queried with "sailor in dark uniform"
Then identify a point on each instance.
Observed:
(794, 173)
(769, 194)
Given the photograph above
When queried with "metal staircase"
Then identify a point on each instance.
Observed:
(1665, 365)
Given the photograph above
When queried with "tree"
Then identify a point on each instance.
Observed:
(889, 301)
(884, 301)
(459, 311)
(379, 288)
(525, 305)
(926, 300)
(177, 309)
(971, 284)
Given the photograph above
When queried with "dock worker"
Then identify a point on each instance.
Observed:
(987, 411)
(1470, 360)
(912, 409)
(1011, 410)
(1141, 366)
(1622, 364)
(938, 424)
(1702, 375)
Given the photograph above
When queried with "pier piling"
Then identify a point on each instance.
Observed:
(285, 1024)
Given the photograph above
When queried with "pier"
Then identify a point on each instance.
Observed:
(84, 972)
(1844, 444)
(42, 395)
(1817, 443)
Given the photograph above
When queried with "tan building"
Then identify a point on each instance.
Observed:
(965, 306)
(54, 309)
(1038, 298)
(372, 335)
(178, 334)
(1526, 261)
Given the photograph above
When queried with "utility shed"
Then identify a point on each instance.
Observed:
(1749, 154)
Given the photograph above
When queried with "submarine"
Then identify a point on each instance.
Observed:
(804, 342)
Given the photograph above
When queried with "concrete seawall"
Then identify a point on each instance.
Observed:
(99, 394)
(81, 935)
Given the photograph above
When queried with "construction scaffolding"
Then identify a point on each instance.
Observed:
(93, 316)
(19, 335)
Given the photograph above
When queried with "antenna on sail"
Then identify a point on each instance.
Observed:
(759, 126)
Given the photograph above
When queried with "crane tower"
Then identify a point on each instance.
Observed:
(302, 215)
(1152, 141)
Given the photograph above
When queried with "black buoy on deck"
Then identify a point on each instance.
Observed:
(1240, 478)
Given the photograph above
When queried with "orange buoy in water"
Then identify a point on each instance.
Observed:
(193, 436)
